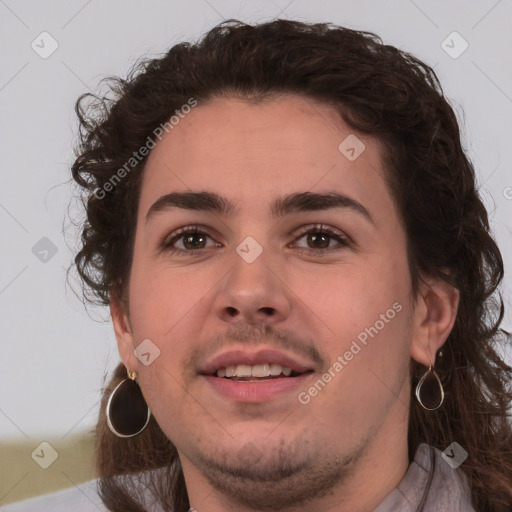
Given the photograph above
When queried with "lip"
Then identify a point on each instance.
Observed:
(242, 356)
(253, 392)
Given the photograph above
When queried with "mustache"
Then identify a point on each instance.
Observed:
(257, 334)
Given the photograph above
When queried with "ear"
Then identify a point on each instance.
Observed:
(123, 332)
(433, 318)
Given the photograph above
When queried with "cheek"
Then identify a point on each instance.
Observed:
(363, 313)
(164, 304)
(352, 296)
(162, 297)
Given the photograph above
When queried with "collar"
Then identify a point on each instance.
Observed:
(430, 483)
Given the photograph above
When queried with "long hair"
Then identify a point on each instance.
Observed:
(379, 90)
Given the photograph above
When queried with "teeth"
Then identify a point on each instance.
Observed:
(258, 370)
(243, 370)
(287, 371)
(261, 370)
(275, 369)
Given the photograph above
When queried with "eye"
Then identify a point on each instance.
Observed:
(192, 240)
(322, 238)
(188, 239)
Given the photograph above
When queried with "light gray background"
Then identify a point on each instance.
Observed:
(54, 357)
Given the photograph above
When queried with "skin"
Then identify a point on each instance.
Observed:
(347, 448)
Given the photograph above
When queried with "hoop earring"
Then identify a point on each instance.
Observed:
(429, 391)
(127, 412)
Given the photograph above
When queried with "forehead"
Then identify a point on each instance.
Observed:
(253, 152)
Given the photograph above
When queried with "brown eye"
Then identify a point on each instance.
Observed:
(194, 240)
(320, 240)
(187, 241)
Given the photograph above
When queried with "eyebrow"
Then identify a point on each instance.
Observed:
(297, 202)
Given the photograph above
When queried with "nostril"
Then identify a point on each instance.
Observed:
(268, 311)
(231, 311)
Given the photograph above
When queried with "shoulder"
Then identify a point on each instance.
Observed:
(449, 488)
(430, 483)
(80, 498)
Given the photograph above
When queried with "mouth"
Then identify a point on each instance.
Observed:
(247, 377)
(256, 373)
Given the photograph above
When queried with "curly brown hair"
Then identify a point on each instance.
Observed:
(379, 90)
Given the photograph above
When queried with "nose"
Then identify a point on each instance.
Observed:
(252, 293)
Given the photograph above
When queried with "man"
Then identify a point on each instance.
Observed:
(300, 275)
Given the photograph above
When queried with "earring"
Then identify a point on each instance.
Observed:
(429, 391)
(127, 412)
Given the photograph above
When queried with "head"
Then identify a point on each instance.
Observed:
(329, 213)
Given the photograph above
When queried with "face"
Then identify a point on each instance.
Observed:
(293, 257)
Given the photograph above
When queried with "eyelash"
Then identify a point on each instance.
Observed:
(201, 230)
